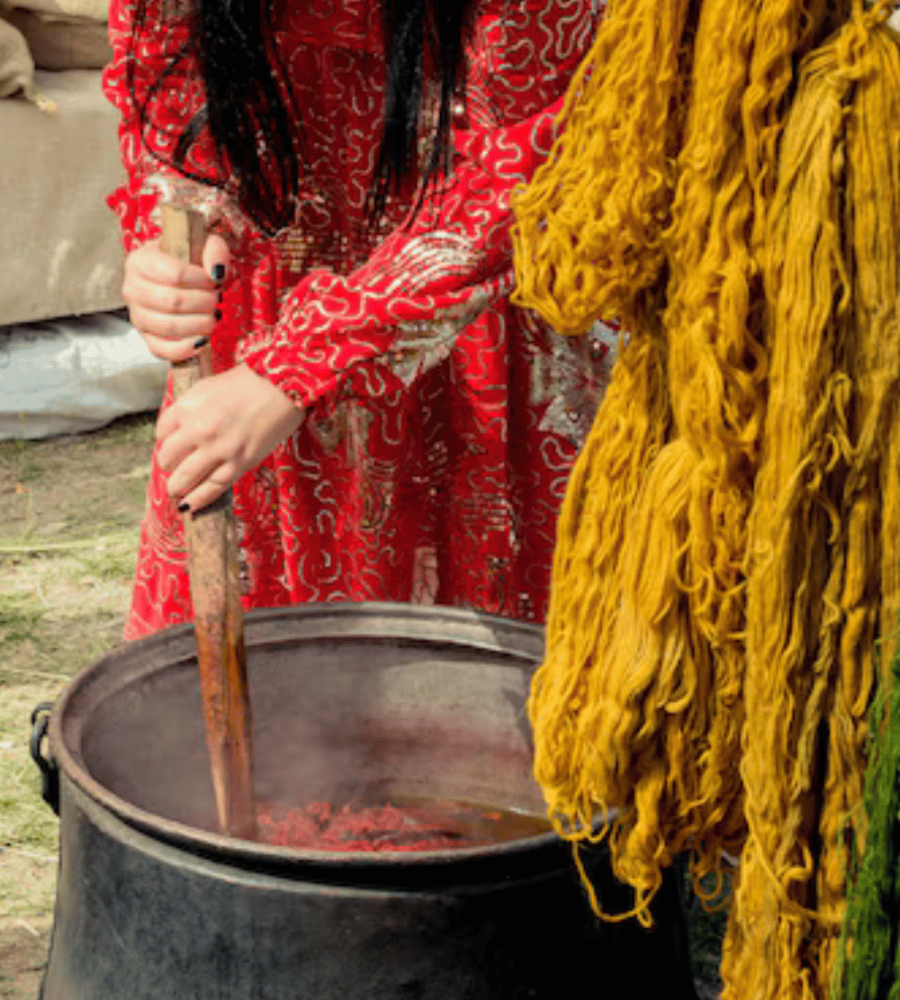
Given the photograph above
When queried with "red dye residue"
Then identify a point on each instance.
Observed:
(414, 825)
(322, 827)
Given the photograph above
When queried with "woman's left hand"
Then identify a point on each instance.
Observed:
(220, 428)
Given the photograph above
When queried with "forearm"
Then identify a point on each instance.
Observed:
(426, 281)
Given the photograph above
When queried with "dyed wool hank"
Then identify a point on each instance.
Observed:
(638, 704)
(815, 597)
(727, 554)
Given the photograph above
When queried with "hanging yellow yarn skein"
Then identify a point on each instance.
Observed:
(588, 230)
(636, 38)
(675, 661)
(868, 601)
(815, 587)
(640, 699)
(794, 518)
(638, 703)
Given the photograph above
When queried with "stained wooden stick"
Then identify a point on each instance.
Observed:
(212, 545)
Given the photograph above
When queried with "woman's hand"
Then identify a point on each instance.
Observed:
(219, 428)
(172, 305)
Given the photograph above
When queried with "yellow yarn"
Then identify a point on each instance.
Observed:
(815, 579)
(638, 704)
(871, 487)
(730, 540)
(629, 429)
(622, 120)
(795, 521)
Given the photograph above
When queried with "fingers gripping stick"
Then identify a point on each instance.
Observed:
(215, 593)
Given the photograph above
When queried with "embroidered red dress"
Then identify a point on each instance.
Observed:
(440, 422)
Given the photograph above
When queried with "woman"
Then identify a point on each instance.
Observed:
(394, 429)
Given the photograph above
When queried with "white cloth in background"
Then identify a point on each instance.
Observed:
(74, 374)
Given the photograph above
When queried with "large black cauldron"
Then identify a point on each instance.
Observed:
(379, 700)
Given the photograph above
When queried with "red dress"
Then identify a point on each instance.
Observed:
(440, 421)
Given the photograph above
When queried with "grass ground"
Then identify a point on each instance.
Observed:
(69, 514)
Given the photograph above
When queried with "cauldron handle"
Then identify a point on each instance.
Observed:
(40, 721)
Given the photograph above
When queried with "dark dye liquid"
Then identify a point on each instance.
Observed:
(399, 825)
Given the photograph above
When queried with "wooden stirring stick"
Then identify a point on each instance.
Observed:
(215, 592)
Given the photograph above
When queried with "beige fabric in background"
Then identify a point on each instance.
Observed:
(62, 254)
(94, 10)
(61, 42)
(16, 65)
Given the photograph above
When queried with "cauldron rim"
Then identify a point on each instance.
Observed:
(267, 627)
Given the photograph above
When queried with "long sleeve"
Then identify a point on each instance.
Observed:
(158, 93)
(391, 317)
(341, 321)
(438, 482)
(424, 282)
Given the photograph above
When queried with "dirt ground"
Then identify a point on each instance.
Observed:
(69, 514)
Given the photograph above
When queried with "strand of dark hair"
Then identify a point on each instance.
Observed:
(250, 108)
(416, 33)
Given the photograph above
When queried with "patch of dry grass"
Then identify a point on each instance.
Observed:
(28, 829)
(59, 612)
(69, 516)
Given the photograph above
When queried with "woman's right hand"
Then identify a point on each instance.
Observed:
(173, 305)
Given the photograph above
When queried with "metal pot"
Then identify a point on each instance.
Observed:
(373, 700)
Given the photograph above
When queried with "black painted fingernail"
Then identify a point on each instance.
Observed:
(184, 507)
(201, 342)
(218, 273)
(218, 314)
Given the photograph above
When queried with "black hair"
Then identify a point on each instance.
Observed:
(249, 106)
(419, 34)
